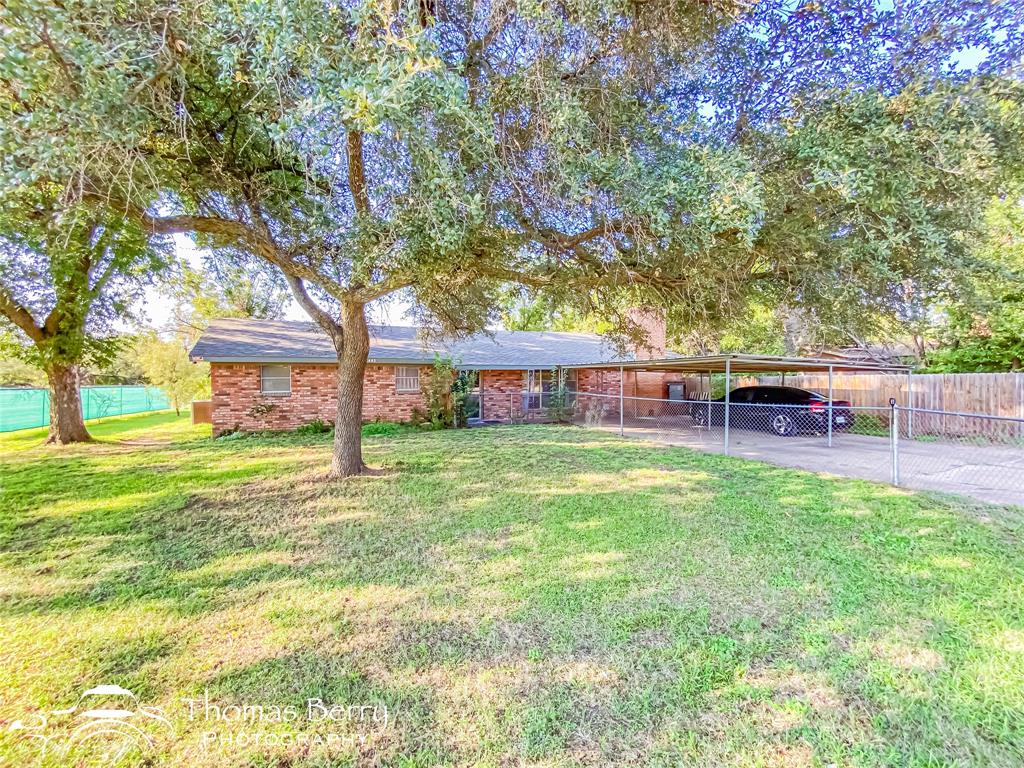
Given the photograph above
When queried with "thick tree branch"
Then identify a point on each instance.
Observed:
(228, 229)
(357, 172)
(598, 230)
(522, 277)
(44, 36)
(77, 283)
(560, 241)
(237, 234)
(21, 317)
(331, 326)
(52, 322)
(382, 288)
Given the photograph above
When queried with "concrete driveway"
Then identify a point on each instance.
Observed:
(992, 474)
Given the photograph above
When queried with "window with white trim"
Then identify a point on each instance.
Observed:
(407, 378)
(276, 379)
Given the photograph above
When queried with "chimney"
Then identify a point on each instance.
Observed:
(651, 323)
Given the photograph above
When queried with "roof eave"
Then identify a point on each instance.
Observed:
(298, 360)
(739, 363)
(292, 360)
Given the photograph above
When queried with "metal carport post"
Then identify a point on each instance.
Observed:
(910, 404)
(728, 384)
(622, 377)
(830, 406)
(709, 402)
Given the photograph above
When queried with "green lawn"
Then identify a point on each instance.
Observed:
(530, 595)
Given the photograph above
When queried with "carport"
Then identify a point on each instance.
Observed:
(974, 454)
(735, 364)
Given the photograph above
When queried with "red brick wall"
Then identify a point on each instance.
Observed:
(497, 386)
(236, 390)
(601, 381)
(636, 384)
(499, 390)
(381, 401)
(502, 389)
(652, 324)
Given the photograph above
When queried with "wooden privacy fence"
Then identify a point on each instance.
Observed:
(991, 394)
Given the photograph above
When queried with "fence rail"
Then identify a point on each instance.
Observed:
(30, 408)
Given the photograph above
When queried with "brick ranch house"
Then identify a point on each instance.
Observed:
(279, 375)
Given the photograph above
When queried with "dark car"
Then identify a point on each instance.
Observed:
(782, 410)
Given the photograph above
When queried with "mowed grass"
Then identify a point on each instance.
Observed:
(543, 596)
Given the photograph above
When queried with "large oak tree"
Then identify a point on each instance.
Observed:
(67, 273)
(581, 149)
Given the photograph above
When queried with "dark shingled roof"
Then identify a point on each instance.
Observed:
(232, 340)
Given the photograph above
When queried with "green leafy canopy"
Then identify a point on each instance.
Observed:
(586, 150)
(68, 273)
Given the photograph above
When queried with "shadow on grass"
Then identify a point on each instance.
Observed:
(568, 590)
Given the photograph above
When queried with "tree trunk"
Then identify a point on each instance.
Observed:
(347, 459)
(66, 423)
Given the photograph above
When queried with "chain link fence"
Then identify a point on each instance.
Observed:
(975, 455)
(24, 408)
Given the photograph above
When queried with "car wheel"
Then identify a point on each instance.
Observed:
(782, 425)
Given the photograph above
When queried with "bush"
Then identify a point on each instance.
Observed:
(261, 410)
(464, 383)
(385, 428)
(440, 411)
(559, 409)
(315, 427)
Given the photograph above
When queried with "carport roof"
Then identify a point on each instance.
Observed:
(739, 363)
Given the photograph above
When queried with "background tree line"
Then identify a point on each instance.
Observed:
(978, 329)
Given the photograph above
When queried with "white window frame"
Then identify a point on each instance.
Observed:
(264, 378)
(404, 382)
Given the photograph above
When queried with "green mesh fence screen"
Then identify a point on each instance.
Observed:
(29, 408)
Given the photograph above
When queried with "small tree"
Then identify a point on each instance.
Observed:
(462, 386)
(15, 372)
(559, 408)
(233, 291)
(166, 365)
(440, 402)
